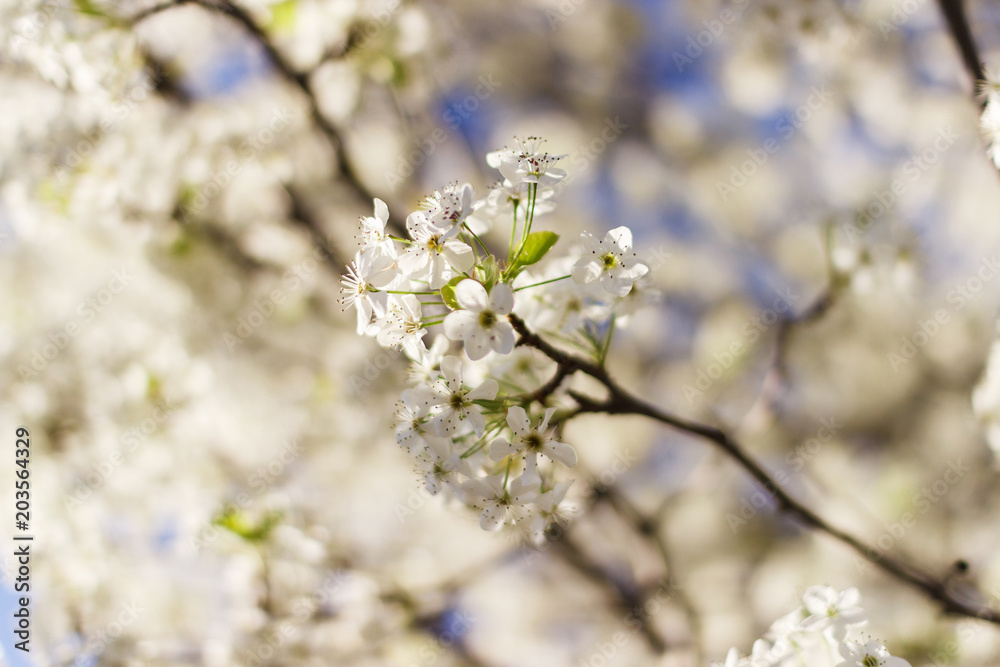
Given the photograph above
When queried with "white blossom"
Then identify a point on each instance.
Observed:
(609, 260)
(531, 442)
(435, 254)
(366, 276)
(500, 505)
(481, 323)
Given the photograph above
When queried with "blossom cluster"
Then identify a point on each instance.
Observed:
(473, 418)
(824, 631)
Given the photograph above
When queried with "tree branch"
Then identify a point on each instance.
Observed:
(621, 402)
(961, 33)
(284, 68)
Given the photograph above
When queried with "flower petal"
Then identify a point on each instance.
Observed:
(560, 451)
(502, 339)
(620, 236)
(381, 211)
(486, 391)
(586, 271)
(477, 342)
(472, 295)
(451, 368)
(518, 420)
(502, 298)
(545, 420)
(459, 255)
(501, 448)
(458, 324)
(491, 518)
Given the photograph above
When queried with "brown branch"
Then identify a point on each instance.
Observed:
(302, 216)
(648, 528)
(628, 598)
(299, 79)
(961, 33)
(788, 326)
(621, 402)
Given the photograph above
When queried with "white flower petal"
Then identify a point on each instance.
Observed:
(477, 343)
(451, 369)
(586, 271)
(560, 451)
(486, 391)
(477, 420)
(501, 448)
(459, 323)
(491, 518)
(518, 420)
(472, 295)
(502, 298)
(459, 255)
(381, 211)
(619, 236)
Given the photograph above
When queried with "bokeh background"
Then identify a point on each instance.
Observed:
(214, 473)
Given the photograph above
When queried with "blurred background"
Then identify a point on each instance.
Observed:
(214, 472)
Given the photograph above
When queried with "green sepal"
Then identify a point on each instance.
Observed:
(448, 292)
(489, 271)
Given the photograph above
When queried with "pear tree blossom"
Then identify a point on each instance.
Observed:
(480, 322)
(824, 632)
(465, 417)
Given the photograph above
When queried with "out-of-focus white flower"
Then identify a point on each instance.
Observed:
(501, 201)
(562, 305)
(439, 465)
(550, 509)
(610, 260)
(481, 324)
(413, 430)
(870, 654)
(531, 442)
(831, 610)
(426, 361)
(500, 505)
(989, 124)
(986, 399)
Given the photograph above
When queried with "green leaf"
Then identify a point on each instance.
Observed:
(237, 523)
(448, 292)
(490, 272)
(90, 9)
(283, 15)
(535, 247)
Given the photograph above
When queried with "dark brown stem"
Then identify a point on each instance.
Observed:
(961, 33)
